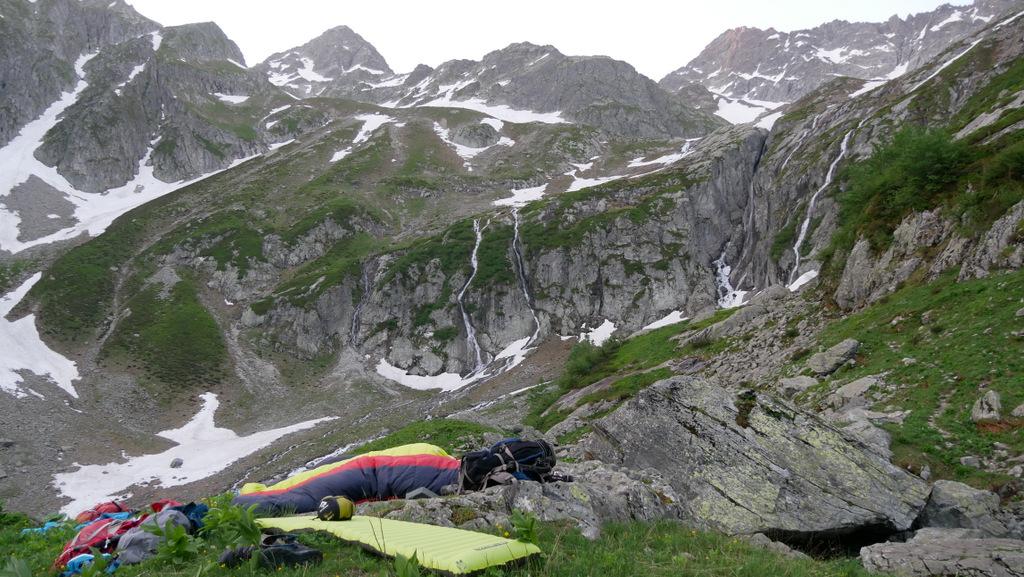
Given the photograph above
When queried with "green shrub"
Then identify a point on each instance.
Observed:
(909, 174)
(228, 525)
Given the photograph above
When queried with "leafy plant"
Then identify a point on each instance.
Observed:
(228, 525)
(407, 566)
(176, 546)
(524, 526)
(15, 567)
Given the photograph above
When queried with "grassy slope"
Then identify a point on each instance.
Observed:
(965, 348)
(656, 549)
(631, 366)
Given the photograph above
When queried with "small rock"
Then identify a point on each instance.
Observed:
(853, 393)
(3, 474)
(926, 472)
(1019, 411)
(762, 541)
(5, 443)
(1020, 313)
(987, 409)
(827, 362)
(177, 462)
(1016, 471)
(793, 386)
(926, 317)
(909, 361)
(970, 461)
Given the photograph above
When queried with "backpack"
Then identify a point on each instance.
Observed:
(506, 461)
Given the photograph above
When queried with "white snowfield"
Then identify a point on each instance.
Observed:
(371, 122)
(728, 296)
(21, 349)
(599, 335)
(802, 280)
(203, 447)
(231, 98)
(467, 152)
(93, 212)
(671, 318)
(500, 111)
(522, 196)
(444, 381)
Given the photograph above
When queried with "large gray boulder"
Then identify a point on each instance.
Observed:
(988, 408)
(793, 386)
(954, 505)
(961, 552)
(749, 463)
(826, 363)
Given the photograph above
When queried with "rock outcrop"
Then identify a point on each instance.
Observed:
(953, 505)
(748, 463)
(827, 362)
(947, 552)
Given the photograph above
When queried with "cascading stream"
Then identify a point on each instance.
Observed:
(517, 250)
(810, 206)
(470, 331)
(358, 312)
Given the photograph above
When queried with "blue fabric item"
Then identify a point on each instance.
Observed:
(122, 516)
(78, 564)
(46, 527)
(195, 513)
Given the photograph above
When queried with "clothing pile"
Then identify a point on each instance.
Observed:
(120, 534)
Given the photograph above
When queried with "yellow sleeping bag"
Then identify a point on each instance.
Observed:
(445, 549)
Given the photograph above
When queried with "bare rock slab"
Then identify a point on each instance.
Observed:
(947, 552)
(750, 463)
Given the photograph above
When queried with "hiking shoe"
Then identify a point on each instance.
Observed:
(289, 554)
(234, 557)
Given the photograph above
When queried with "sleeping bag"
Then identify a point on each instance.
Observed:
(374, 476)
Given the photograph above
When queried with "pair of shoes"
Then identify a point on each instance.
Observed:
(274, 551)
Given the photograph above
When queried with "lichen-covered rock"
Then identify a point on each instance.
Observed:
(793, 386)
(750, 463)
(826, 362)
(988, 408)
(954, 505)
(853, 394)
(947, 552)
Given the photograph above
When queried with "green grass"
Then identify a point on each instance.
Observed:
(966, 348)
(11, 272)
(451, 435)
(657, 549)
(631, 359)
(173, 340)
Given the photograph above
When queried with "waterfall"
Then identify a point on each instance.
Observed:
(810, 206)
(358, 312)
(517, 250)
(728, 296)
(470, 331)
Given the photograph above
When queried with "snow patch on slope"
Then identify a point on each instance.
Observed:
(21, 349)
(204, 448)
(371, 122)
(499, 111)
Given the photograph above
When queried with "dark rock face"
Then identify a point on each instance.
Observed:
(748, 463)
(39, 43)
(953, 505)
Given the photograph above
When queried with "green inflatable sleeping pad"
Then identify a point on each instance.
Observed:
(445, 549)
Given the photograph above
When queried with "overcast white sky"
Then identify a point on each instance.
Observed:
(655, 36)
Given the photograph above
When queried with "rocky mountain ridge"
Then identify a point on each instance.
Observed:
(752, 70)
